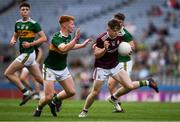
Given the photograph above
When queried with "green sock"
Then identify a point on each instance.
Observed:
(143, 83)
(56, 99)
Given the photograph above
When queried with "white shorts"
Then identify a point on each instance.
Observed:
(103, 74)
(55, 75)
(25, 70)
(27, 59)
(127, 66)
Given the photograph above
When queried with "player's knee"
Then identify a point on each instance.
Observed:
(72, 92)
(22, 78)
(95, 93)
(110, 87)
(6, 74)
(39, 80)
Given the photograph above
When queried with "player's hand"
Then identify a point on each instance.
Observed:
(77, 34)
(26, 44)
(130, 53)
(12, 43)
(87, 41)
(106, 45)
(94, 46)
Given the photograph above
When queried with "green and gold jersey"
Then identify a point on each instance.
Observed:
(57, 60)
(26, 31)
(127, 37)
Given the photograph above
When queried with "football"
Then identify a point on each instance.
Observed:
(124, 48)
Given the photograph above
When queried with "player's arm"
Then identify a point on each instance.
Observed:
(69, 46)
(127, 37)
(99, 52)
(132, 45)
(14, 39)
(42, 38)
(78, 46)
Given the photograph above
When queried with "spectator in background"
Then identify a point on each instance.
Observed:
(155, 11)
(173, 4)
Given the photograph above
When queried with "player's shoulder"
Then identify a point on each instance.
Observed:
(19, 20)
(103, 36)
(57, 34)
(123, 31)
(29, 20)
(32, 21)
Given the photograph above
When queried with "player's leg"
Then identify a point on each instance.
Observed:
(48, 82)
(11, 75)
(112, 86)
(127, 85)
(91, 97)
(36, 73)
(24, 77)
(48, 94)
(69, 91)
(128, 66)
(37, 89)
(37, 84)
(66, 81)
(112, 83)
(99, 76)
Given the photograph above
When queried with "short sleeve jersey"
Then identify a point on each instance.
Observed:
(26, 31)
(127, 37)
(110, 58)
(57, 60)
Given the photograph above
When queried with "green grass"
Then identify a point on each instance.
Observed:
(100, 111)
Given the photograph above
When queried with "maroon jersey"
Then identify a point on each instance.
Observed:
(110, 58)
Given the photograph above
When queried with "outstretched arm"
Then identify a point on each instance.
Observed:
(84, 44)
(66, 47)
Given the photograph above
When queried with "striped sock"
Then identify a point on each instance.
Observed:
(143, 83)
(56, 99)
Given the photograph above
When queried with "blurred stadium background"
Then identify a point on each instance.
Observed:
(155, 25)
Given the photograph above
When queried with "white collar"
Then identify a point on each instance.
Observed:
(26, 20)
(62, 34)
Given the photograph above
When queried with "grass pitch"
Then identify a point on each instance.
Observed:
(100, 111)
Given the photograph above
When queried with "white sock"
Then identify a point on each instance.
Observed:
(147, 82)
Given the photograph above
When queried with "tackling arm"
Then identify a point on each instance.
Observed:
(66, 47)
